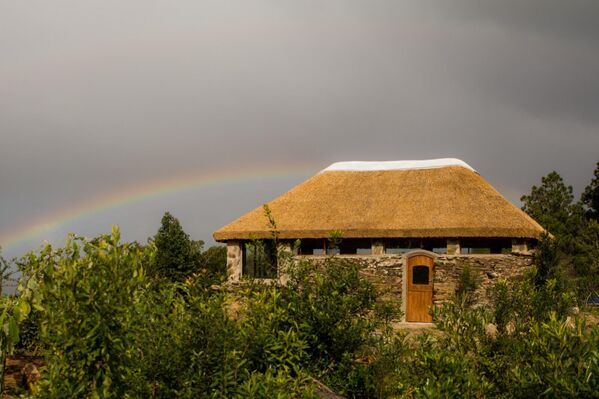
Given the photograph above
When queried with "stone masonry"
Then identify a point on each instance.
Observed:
(488, 269)
(386, 272)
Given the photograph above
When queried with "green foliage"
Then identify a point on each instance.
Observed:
(546, 259)
(468, 282)
(86, 292)
(193, 347)
(214, 260)
(29, 335)
(160, 325)
(518, 303)
(12, 312)
(332, 305)
(571, 256)
(586, 260)
(110, 331)
(590, 196)
(334, 240)
(342, 320)
(558, 359)
(551, 204)
(275, 384)
(177, 256)
(261, 259)
(518, 347)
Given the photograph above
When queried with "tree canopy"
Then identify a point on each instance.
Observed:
(575, 244)
(177, 256)
(590, 196)
(552, 204)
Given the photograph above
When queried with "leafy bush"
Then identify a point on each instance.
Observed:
(86, 292)
(108, 330)
(342, 320)
(332, 306)
(12, 312)
(468, 282)
(519, 303)
(523, 345)
(558, 359)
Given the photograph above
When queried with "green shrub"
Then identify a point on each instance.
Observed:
(522, 301)
(342, 321)
(332, 306)
(558, 359)
(29, 335)
(85, 293)
(109, 331)
(468, 282)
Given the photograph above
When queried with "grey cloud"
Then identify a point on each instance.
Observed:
(100, 97)
(572, 20)
(537, 55)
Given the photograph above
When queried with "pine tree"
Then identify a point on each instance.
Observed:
(552, 205)
(176, 254)
(590, 197)
(574, 248)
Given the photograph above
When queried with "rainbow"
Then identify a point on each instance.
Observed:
(149, 190)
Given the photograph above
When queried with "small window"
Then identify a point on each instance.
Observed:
(420, 275)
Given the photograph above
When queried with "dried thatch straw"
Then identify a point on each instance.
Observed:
(449, 201)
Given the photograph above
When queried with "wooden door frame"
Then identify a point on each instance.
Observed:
(404, 277)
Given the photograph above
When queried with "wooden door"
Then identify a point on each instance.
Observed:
(420, 289)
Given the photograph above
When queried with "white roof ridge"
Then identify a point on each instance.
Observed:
(371, 166)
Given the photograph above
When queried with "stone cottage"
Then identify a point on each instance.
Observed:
(413, 225)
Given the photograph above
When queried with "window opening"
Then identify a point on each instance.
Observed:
(403, 245)
(312, 247)
(420, 275)
(482, 246)
(260, 259)
(355, 247)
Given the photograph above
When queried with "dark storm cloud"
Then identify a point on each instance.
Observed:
(98, 97)
(563, 20)
(541, 55)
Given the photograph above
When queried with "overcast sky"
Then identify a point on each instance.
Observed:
(97, 97)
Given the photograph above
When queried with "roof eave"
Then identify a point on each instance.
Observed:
(382, 233)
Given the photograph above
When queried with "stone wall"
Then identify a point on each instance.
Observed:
(234, 259)
(386, 271)
(487, 268)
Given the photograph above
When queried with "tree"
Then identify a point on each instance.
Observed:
(177, 256)
(547, 261)
(551, 204)
(590, 196)
(586, 258)
(575, 247)
(214, 259)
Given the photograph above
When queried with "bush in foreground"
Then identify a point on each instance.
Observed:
(108, 329)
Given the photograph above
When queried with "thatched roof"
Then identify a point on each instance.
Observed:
(434, 199)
